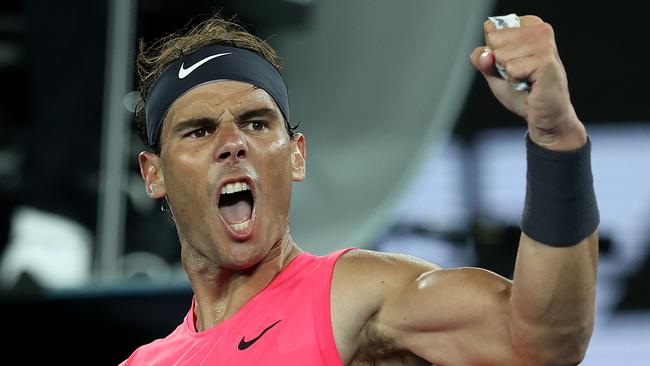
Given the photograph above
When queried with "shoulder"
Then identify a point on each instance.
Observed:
(170, 345)
(364, 279)
(362, 282)
(379, 270)
(143, 354)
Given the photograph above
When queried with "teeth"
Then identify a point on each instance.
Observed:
(235, 187)
(241, 226)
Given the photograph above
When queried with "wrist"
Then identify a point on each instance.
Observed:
(560, 207)
(569, 134)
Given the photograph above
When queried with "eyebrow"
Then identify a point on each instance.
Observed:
(194, 123)
(259, 112)
(206, 121)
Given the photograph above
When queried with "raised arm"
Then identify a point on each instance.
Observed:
(545, 315)
(553, 295)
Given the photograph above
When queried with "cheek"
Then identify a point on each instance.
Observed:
(281, 163)
(184, 180)
(277, 174)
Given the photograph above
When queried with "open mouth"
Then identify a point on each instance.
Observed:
(236, 205)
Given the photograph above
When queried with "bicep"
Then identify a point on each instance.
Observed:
(451, 316)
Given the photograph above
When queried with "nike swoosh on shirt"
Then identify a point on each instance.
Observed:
(244, 344)
(183, 72)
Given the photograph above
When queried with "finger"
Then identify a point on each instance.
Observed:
(521, 69)
(483, 60)
(528, 20)
(505, 54)
(494, 38)
(488, 28)
(531, 34)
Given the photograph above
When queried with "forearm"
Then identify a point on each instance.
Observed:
(553, 294)
(552, 301)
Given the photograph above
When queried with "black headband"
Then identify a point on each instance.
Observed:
(205, 65)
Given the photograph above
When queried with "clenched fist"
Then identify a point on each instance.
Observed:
(529, 54)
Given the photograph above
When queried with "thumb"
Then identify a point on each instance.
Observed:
(483, 60)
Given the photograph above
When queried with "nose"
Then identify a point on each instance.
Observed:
(231, 147)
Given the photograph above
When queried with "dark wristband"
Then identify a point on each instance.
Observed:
(560, 208)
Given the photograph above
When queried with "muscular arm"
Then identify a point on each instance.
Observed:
(471, 316)
(553, 299)
(553, 294)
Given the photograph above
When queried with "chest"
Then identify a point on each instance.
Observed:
(287, 326)
(279, 332)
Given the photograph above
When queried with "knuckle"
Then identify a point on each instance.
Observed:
(511, 68)
(488, 26)
(498, 55)
(516, 70)
(493, 36)
(547, 62)
(530, 20)
(546, 29)
(547, 48)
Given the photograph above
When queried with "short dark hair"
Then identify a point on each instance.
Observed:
(153, 59)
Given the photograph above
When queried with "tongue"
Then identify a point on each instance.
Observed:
(237, 211)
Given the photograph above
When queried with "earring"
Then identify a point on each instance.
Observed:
(164, 205)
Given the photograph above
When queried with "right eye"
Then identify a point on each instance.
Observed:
(198, 133)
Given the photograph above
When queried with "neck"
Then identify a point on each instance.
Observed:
(220, 292)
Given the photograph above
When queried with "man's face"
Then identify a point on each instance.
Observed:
(226, 167)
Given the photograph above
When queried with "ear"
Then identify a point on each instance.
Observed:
(152, 174)
(298, 157)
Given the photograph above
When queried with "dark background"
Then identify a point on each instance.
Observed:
(604, 49)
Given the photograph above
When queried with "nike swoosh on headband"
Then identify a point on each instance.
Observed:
(183, 72)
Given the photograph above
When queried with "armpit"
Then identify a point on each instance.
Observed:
(378, 350)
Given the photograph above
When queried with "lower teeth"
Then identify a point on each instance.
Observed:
(241, 226)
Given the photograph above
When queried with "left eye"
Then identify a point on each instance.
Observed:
(256, 125)
(199, 132)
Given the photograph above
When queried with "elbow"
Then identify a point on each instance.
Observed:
(568, 356)
(571, 358)
(556, 347)
(572, 347)
(577, 358)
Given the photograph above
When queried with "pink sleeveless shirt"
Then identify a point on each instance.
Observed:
(288, 323)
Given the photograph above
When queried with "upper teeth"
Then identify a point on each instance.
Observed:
(234, 187)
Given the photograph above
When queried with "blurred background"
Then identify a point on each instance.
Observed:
(407, 152)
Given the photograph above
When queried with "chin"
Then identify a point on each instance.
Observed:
(242, 256)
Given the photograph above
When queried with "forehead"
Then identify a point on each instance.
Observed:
(217, 97)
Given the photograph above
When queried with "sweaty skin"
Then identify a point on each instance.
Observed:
(386, 309)
(216, 133)
(470, 316)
